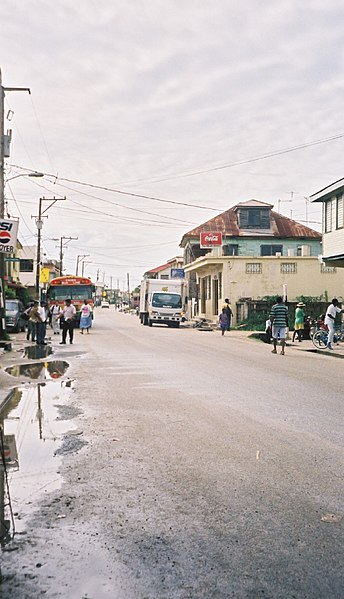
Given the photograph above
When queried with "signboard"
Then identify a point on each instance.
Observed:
(177, 273)
(44, 275)
(211, 239)
(8, 236)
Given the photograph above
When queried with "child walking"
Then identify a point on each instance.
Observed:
(223, 321)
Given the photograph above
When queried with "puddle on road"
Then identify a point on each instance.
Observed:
(37, 352)
(39, 370)
(37, 422)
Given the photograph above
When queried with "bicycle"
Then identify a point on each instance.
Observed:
(320, 338)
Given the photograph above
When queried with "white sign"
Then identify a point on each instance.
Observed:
(8, 236)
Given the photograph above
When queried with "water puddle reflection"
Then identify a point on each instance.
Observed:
(36, 431)
(39, 370)
(37, 352)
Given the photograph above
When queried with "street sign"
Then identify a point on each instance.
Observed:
(8, 236)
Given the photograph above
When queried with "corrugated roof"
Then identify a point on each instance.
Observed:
(227, 223)
(159, 268)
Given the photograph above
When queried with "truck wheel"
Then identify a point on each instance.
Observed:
(150, 323)
(145, 319)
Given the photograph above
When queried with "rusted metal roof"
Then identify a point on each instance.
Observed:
(228, 224)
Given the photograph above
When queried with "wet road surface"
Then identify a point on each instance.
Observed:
(208, 468)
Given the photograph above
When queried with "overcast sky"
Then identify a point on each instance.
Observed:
(150, 97)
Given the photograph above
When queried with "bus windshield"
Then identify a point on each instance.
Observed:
(73, 292)
(166, 300)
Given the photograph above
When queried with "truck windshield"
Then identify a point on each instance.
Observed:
(11, 306)
(166, 300)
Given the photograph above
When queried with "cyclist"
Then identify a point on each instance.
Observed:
(330, 316)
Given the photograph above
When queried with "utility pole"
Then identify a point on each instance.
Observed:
(2, 198)
(79, 259)
(61, 250)
(39, 224)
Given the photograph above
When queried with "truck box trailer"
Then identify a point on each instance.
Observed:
(163, 301)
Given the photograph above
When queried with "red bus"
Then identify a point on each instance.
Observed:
(77, 289)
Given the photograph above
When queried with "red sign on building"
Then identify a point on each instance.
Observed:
(210, 239)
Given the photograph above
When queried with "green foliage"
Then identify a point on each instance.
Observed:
(10, 293)
(254, 322)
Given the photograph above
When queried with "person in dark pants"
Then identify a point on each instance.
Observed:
(229, 312)
(68, 315)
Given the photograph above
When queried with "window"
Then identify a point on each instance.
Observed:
(328, 216)
(231, 249)
(164, 277)
(327, 269)
(288, 268)
(254, 218)
(253, 268)
(339, 211)
(271, 250)
(26, 265)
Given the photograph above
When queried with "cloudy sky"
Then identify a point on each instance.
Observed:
(150, 98)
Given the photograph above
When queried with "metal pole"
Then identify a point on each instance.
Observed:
(38, 257)
(61, 256)
(2, 213)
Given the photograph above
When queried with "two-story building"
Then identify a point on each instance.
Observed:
(262, 254)
(332, 198)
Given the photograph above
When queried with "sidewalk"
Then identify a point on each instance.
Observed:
(306, 345)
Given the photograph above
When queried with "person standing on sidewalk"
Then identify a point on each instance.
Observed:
(34, 318)
(68, 315)
(86, 317)
(41, 324)
(279, 322)
(330, 316)
(55, 312)
(299, 323)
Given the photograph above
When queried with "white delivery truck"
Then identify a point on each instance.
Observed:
(163, 301)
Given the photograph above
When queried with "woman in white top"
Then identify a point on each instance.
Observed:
(85, 318)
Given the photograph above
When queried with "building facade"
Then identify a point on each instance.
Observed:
(332, 198)
(262, 254)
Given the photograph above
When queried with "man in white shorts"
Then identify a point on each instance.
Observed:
(331, 314)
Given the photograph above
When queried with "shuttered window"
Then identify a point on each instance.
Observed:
(254, 218)
(328, 216)
(339, 212)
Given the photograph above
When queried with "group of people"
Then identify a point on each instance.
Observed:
(60, 317)
(279, 322)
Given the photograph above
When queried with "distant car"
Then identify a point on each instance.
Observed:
(105, 305)
(13, 319)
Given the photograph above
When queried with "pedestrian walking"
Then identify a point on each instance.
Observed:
(279, 322)
(67, 316)
(223, 321)
(55, 312)
(299, 323)
(86, 317)
(331, 313)
(229, 312)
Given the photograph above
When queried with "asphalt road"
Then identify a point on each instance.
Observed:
(213, 469)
